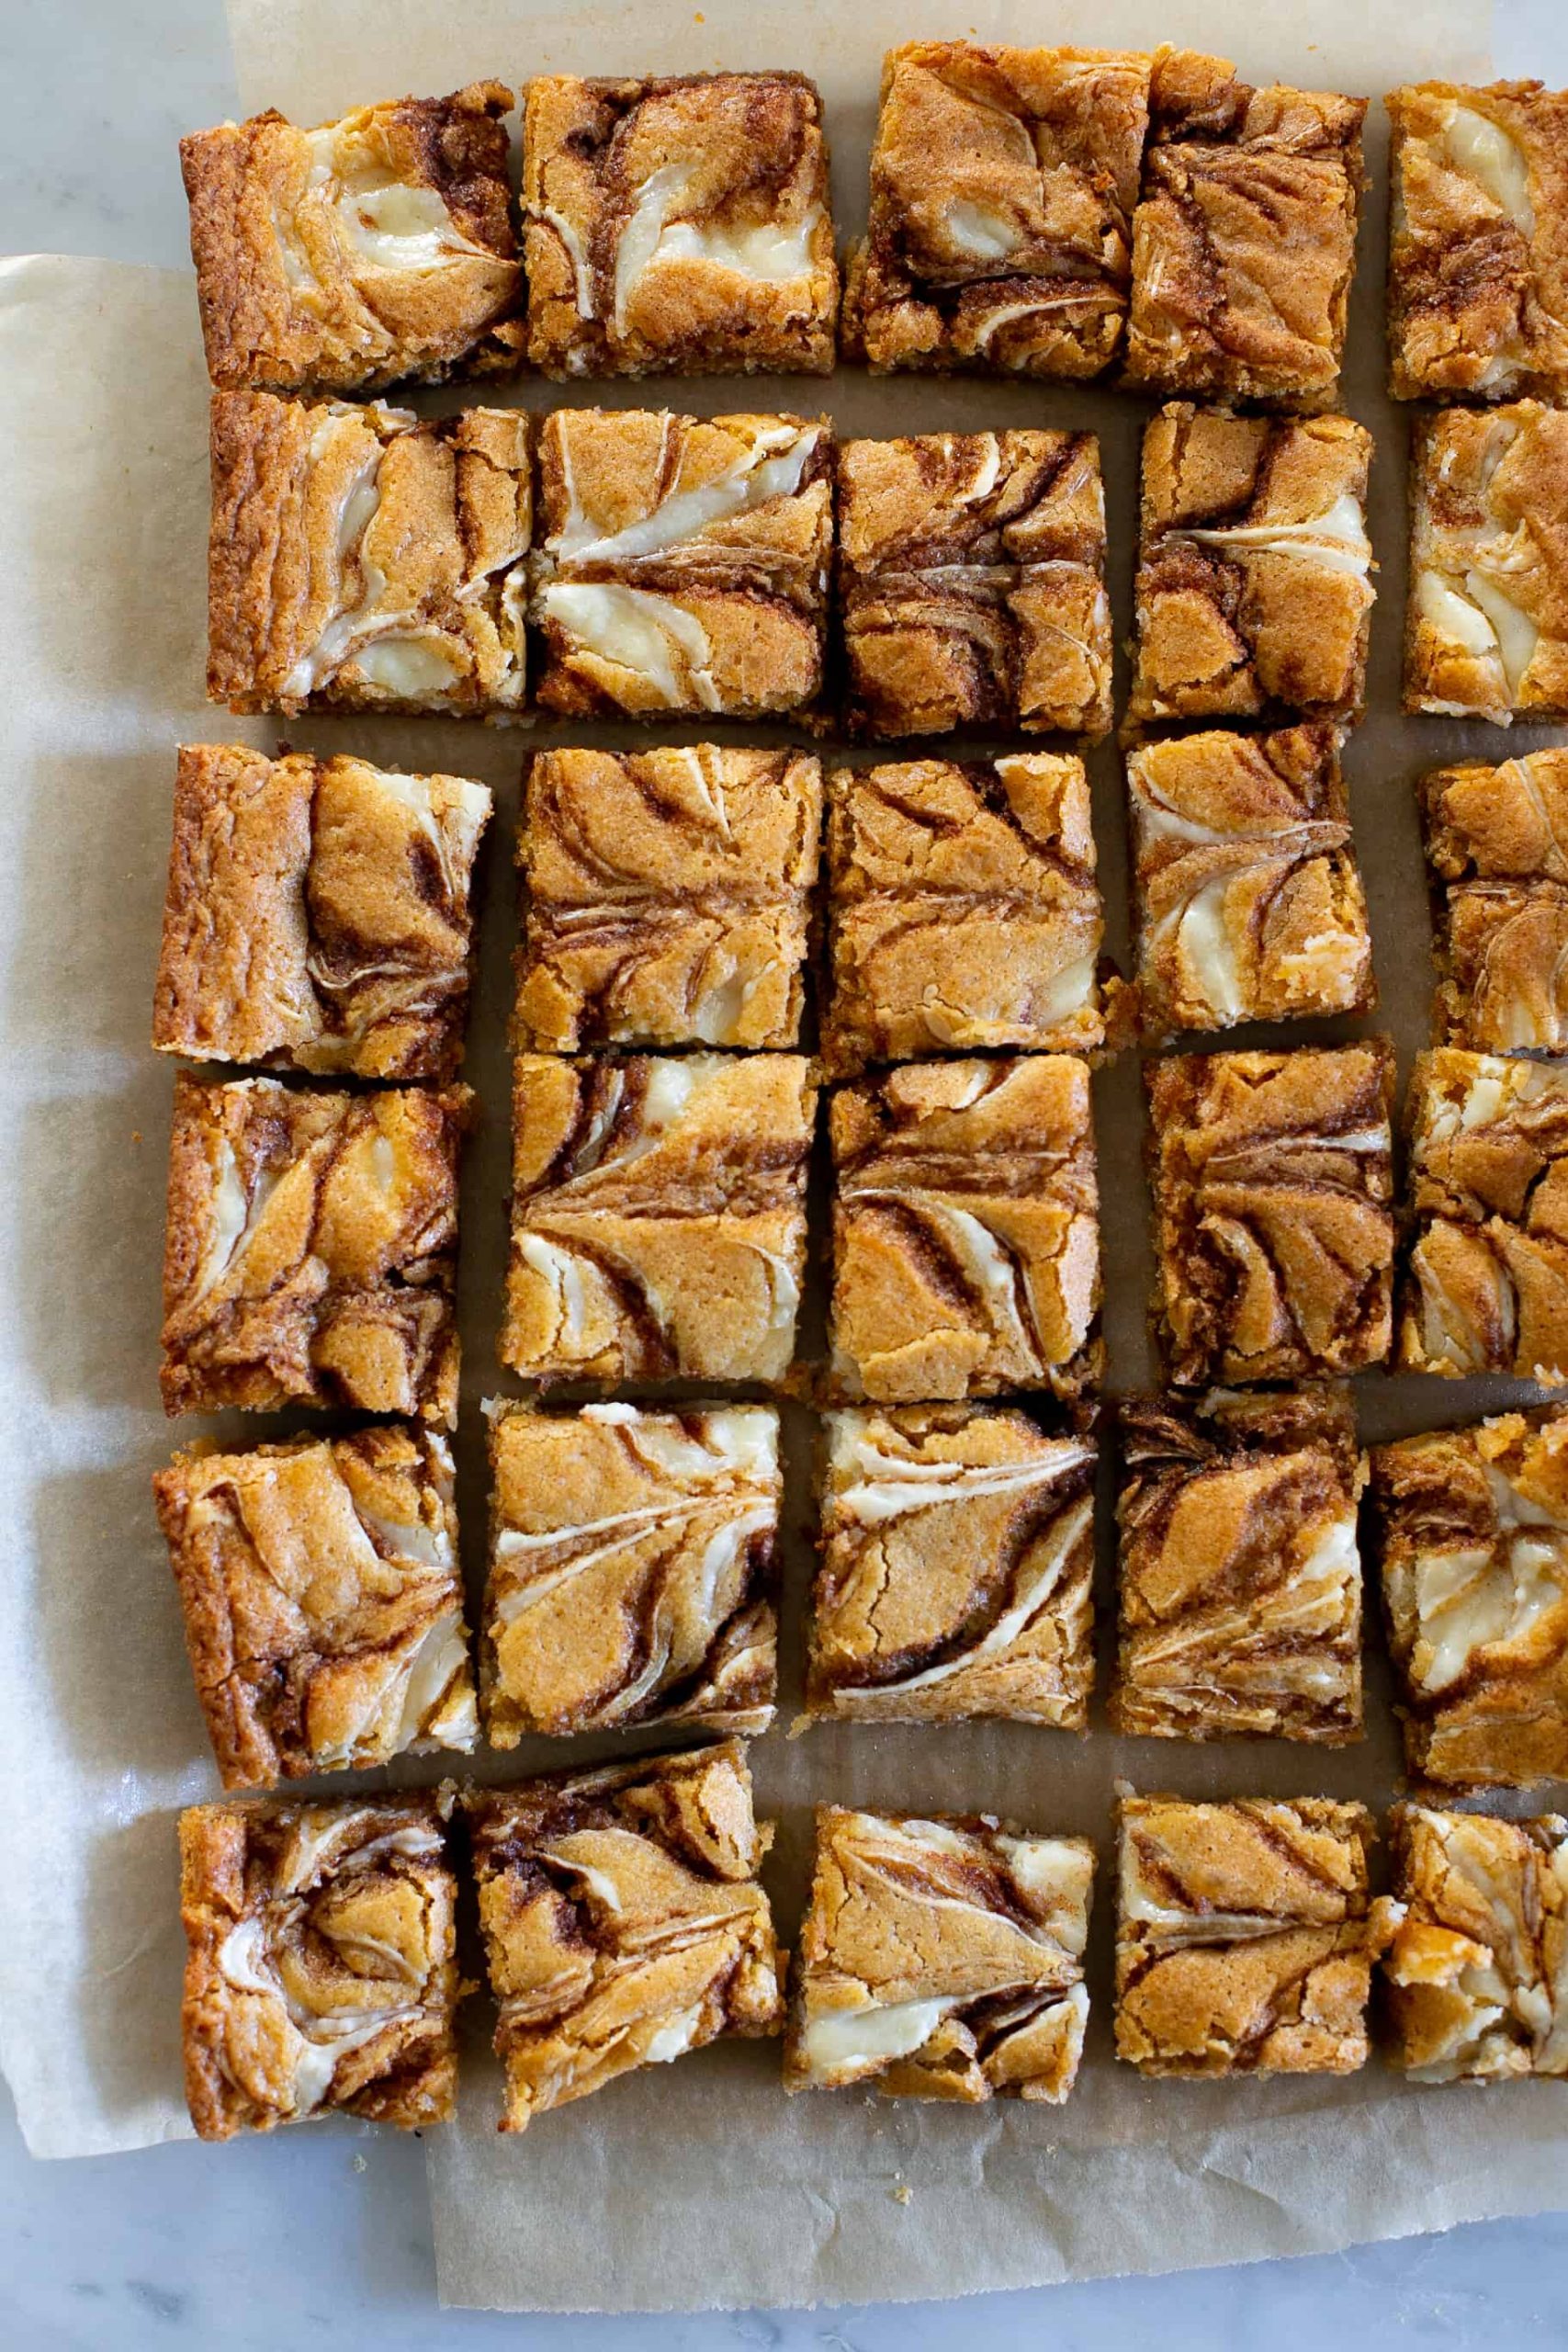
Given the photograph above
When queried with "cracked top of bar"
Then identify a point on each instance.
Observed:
(1497, 846)
(1477, 1977)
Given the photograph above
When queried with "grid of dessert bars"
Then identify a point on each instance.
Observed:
(1046, 213)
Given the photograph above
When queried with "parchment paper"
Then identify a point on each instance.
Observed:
(699, 2184)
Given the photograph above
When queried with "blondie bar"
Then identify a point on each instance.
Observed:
(971, 583)
(362, 561)
(1247, 896)
(1254, 590)
(678, 226)
(623, 1920)
(1498, 847)
(1244, 242)
(965, 1231)
(941, 1958)
(632, 1577)
(322, 1966)
(311, 1252)
(1478, 256)
(323, 1605)
(1472, 1536)
(318, 914)
(1240, 1577)
(657, 1216)
(1002, 188)
(1246, 1936)
(668, 897)
(1477, 1977)
(683, 566)
(365, 252)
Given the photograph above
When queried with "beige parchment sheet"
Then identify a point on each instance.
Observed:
(695, 2184)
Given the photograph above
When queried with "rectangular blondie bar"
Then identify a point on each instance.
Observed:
(1477, 1976)
(1497, 848)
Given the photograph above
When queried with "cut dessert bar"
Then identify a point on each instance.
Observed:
(957, 1549)
(1246, 1936)
(318, 914)
(971, 583)
(1247, 895)
(683, 563)
(1473, 1533)
(1477, 1976)
(941, 1958)
(678, 226)
(1002, 188)
(1497, 846)
(1240, 1577)
(1273, 1184)
(323, 1605)
(657, 1216)
(623, 1920)
(1478, 258)
(964, 909)
(1488, 1288)
(1244, 243)
(321, 1966)
(365, 252)
(668, 897)
(965, 1231)
(362, 560)
(1486, 615)
(311, 1254)
(1254, 590)
(632, 1575)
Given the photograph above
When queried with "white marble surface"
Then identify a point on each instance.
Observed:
(322, 2236)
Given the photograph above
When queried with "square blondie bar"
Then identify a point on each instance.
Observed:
(322, 1601)
(1478, 254)
(668, 897)
(1002, 188)
(1486, 614)
(360, 559)
(956, 1551)
(1246, 1936)
(657, 1216)
(1244, 242)
(964, 910)
(1273, 1176)
(1477, 1977)
(971, 583)
(1247, 896)
(678, 225)
(682, 564)
(1498, 850)
(318, 914)
(322, 1969)
(623, 1920)
(965, 1231)
(1240, 1577)
(941, 1958)
(310, 1250)
(1253, 592)
(1472, 1537)
(633, 1576)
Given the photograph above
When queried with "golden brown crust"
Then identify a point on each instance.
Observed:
(322, 1968)
(323, 1607)
(668, 897)
(370, 251)
(1273, 1179)
(310, 1250)
(318, 914)
(1253, 592)
(633, 1578)
(1473, 1533)
(1244, 242)
(1498, 847)
(362, 561)
(941, 1958)
(678, 226)
(623, 1920)
(1477, 1976)
(965, 1231)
